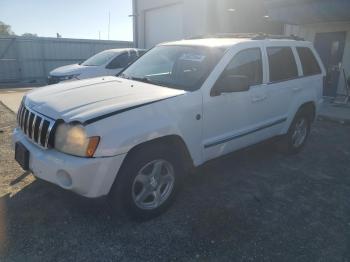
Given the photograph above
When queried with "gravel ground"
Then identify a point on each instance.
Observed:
(254, 205)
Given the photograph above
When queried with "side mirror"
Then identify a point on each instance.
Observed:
(232, 83)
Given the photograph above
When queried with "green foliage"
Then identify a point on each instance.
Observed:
(5, 29)
(29, 35)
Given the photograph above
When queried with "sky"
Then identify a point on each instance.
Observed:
(71, 19)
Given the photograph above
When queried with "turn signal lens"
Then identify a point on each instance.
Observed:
(92, 146)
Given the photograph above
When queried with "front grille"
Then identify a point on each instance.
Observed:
(37, 127)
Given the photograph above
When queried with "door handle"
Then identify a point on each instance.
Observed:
(296, 89)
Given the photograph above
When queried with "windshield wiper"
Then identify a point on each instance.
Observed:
(148, 80)
(140, 79)
(122, 76)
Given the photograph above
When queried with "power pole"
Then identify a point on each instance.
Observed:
(109, 23)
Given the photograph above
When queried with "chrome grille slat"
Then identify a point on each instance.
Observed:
(40, 128)
(23, 118)
(35, 126)
(20, 117)
(26, 121)
(48, 133)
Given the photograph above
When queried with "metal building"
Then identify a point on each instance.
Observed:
(31, 59)
(158, 21)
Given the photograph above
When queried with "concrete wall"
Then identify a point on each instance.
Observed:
(309, 31)
(31, 59)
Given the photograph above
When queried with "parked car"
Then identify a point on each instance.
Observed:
(178, 106)
(106, 63)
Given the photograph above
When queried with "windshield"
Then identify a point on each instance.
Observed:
(181, 67)
(99, 59)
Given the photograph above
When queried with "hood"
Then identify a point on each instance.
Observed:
(68, 70)
(85, 99)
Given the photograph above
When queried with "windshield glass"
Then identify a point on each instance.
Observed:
(99, 59)
(181, 67)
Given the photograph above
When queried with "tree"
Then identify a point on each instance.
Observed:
(29, 35)
(5, 29)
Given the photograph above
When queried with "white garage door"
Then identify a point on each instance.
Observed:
(163, 24)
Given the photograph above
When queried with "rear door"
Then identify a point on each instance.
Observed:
(283, 84)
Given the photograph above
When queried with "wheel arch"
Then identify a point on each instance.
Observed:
(309, 108)
(175, 141)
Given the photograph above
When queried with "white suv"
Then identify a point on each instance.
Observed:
(134, 137)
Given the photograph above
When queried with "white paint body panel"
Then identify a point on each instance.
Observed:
(167, 111)
(91, 177)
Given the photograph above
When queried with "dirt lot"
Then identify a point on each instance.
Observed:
(254, 205)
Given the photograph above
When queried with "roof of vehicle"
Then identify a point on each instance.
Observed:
(119, 50)
(227, 40)
(210, 42)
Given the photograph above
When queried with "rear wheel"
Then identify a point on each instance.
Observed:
(147, 183)
(297, 134)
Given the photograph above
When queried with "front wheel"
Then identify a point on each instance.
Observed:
(297, 134)
(147, 183)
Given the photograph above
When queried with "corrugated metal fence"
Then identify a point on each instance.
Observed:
(31, 59)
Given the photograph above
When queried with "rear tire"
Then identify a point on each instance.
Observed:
(298, 133)
(147, 182)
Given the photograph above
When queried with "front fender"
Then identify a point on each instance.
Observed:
(176, 116)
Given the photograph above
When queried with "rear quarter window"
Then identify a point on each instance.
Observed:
(308, 61)
(282, 63)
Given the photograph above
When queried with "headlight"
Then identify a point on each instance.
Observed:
(72, 139)
(69, 77)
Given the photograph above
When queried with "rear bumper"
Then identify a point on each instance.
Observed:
(89, 177)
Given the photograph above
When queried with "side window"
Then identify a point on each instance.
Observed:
(120, 61)
(308, 61)
(282, 64)
(246, 63)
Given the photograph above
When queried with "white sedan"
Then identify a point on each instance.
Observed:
(106, 63)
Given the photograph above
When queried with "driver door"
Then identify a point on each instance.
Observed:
(229, 119)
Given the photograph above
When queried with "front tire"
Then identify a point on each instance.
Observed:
(148, 182)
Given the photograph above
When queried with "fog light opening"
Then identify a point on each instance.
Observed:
(64, 179)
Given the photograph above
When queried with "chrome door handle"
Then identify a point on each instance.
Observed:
(296, 89)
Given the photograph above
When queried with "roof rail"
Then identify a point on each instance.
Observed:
(253, 36)
(261, 36)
